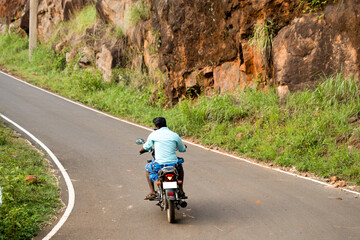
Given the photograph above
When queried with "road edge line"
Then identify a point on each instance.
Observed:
(272, 168)
(194, 144)
(77, 103)
(71, 191)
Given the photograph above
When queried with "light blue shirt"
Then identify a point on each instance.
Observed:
(166, 142)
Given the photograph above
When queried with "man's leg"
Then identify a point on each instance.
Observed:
(151, 184)
(149, 168)
(181, 177)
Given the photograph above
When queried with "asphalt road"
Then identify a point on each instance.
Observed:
(228, 198)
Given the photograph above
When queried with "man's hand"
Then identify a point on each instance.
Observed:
(142, 150)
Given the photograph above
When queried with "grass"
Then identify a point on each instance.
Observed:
(262, 40)
(116, 32)
(139, 12)
(263, 36)
(311, 132)
(84, 19)
(26, 206)
(314, 5)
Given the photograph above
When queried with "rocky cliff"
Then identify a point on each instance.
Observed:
(210, 45)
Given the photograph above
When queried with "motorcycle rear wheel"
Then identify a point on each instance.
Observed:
(171, 211)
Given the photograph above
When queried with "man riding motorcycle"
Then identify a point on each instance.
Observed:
(165, 142)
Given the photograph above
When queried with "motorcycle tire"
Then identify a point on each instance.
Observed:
(171, 211)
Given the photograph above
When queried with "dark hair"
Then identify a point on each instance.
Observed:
(159, 122)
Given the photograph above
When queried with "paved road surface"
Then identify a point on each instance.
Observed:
(228, 198)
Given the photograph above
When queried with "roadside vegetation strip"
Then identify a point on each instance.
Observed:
(71, 191)
(30, 193)
(315, 131)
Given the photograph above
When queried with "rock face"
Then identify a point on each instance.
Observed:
(199, 35)
(104, 61)
(310, 46)
(11, 9)
(113, 11)
(10, 15)
(52, 12)
(205, 45)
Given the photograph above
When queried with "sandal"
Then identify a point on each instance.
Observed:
(150, 196)
(182, 196)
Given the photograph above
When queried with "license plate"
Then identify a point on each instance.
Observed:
(167, 185)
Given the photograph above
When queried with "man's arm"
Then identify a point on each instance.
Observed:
(142, 150)
(180, 145)
(148, 145)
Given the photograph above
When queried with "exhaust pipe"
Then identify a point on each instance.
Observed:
(183, 204)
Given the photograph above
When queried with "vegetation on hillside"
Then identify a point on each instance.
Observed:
(312, 131)
(26, 206)
(314, 5)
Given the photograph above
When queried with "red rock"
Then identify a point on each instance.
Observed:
(197, 35)
(333, 179)
(227, 77)
(104, 61)
(342, 183)
(32, 179)
(283, 91)
(312, 45)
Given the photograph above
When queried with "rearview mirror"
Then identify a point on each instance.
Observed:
(140, 141)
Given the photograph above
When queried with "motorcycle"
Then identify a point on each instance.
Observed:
(167, 192)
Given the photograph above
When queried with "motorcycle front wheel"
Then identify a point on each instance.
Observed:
(171, 211)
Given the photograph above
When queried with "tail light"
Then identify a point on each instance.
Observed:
(169, 177)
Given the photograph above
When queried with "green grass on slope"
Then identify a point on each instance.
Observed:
(310, 132)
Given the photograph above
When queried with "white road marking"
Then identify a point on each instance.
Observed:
(272, 168)
(77, 103)
(63, 172)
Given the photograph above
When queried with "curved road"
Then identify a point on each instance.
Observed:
(228, 198)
